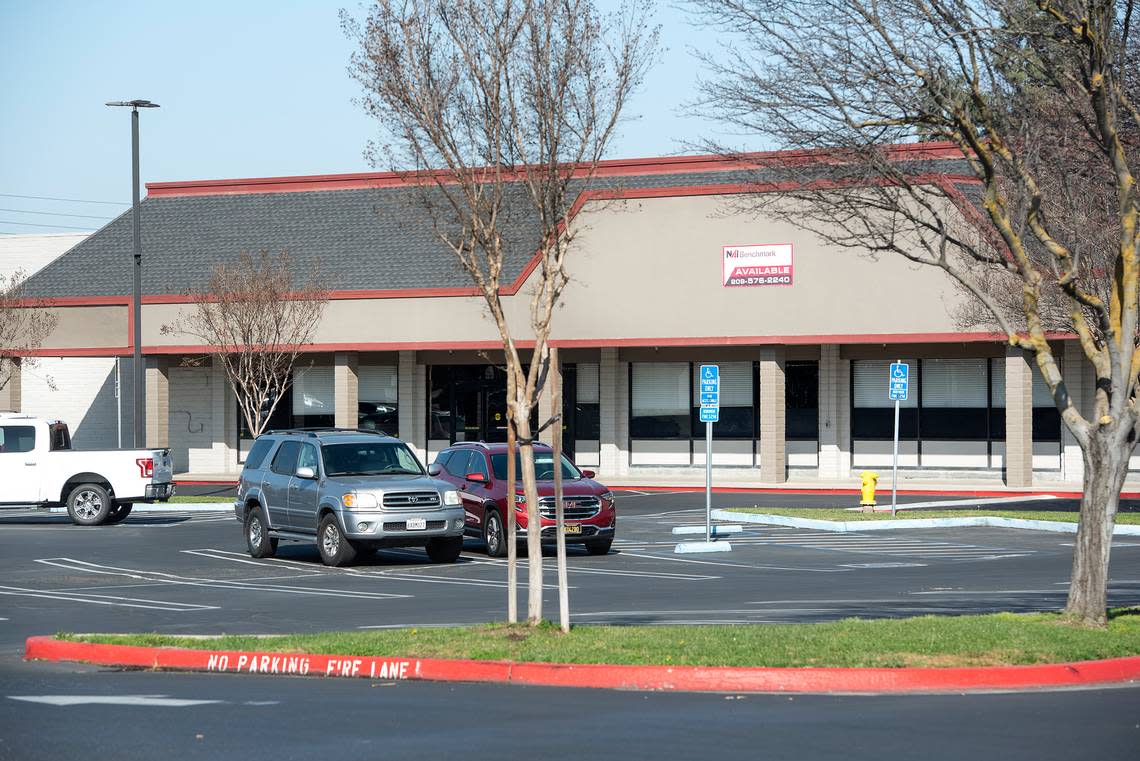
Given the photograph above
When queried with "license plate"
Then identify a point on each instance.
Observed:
(417, 524)
(572, 528)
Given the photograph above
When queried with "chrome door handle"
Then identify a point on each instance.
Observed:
(30, 463)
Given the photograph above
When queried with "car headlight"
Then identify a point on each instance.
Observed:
(359, 501)
(451, 498)
(608, 497)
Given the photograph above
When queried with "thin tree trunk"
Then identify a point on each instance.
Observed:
(1106, 465)
(509, 509)
(555, 379)
(533, 519)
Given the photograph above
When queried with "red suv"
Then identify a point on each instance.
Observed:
(479, 472)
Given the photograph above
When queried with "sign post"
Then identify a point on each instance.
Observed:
(898, 384)
(710, 413)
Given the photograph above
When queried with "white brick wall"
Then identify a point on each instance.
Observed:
(83, 397)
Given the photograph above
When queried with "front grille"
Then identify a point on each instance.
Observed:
(403, 526)
(411, 500)
(575, 508)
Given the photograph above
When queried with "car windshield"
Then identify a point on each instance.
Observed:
(543, 466)
(369, 459)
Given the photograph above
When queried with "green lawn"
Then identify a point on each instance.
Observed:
(177, 499)
(942, 641)
(837, 514)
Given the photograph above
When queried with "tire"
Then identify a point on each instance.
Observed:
(444, 550)
(599, 547)
(494, 534)
(88, 505)
(335, 548)
(257, 539)
(119, 513)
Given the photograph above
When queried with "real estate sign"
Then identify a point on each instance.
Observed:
(764, 264)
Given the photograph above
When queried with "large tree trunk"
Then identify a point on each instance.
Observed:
(1106, 465)
(533, 521)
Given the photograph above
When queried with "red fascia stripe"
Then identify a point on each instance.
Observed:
(686, 678)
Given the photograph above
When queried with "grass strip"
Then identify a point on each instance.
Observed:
(939, 641)
(839, 514)
(176, 499)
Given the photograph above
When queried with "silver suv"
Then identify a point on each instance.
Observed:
(349, 491)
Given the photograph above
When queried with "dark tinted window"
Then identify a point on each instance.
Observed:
(60, 437)
(17, 438)
(457, 463)
(285, 462)
(256, 457)
(478, 464)
(442, 458)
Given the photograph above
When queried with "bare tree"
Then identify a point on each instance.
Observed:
(499, 112)
(24, 325)
(255, 318)
(850, 78)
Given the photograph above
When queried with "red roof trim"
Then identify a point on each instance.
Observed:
(611, 168)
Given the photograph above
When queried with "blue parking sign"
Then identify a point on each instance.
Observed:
(898, 381)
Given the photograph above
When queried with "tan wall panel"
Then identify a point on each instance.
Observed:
(88, 327)
(652, 268)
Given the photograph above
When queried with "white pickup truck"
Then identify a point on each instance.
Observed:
(39, 468)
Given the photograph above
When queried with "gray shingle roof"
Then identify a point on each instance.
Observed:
(367, 239)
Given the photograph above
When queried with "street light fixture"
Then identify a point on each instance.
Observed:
(137, 365)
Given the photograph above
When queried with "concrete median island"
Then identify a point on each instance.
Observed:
(841, 520)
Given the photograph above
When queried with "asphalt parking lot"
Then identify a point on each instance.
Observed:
(182, 571)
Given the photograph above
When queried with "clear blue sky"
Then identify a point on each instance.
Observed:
(248, 88)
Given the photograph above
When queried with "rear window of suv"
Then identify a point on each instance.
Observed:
(257, 453)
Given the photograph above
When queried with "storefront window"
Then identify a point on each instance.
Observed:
(377, 399)
(954, 399)
(587, 418)
(660, 406)
(873, 415)
(313, 397)
(736, 418)
(801, 400)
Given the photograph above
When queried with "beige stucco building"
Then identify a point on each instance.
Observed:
(404, 345)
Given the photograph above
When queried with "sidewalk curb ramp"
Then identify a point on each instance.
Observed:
(679, 678)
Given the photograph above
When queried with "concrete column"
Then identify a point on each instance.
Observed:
(346, 389)
(773, 444)
(1080, 381)
(834, 414)
(1018, 418)
(11, 393)
(411, 398)
(613, 411)
(157, 402)
(545, 404)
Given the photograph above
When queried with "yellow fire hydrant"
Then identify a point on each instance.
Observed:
(870, 480)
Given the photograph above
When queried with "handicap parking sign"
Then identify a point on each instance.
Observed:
(898, 381)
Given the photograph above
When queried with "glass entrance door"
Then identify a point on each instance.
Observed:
(469, 403)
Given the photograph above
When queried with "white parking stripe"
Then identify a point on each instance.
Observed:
(174, 579)
(123, 602)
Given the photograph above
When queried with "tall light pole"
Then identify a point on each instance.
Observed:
(139, 371)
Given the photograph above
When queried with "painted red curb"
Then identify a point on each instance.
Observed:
(684, 678)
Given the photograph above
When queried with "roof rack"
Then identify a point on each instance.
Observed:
(315, 431)
(471, 443)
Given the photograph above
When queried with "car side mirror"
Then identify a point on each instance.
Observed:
(434, 469)
(306, 472)
(478, 477)
(588, 474)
